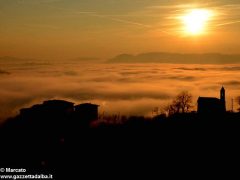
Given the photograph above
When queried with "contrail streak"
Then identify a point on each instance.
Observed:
(228, 23)
(102, 16)
(120, 20)
(124, 21)
(95, 14)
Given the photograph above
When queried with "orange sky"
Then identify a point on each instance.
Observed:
(53, 29)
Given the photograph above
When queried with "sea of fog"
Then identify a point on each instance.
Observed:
(127, 89)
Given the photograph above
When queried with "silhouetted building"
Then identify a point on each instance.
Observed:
(87, 112)
(48, 108)
(211, 105)
(59, 106)
(60, 113)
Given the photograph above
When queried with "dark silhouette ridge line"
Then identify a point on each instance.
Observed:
(206, 105)
(177, 58)
(55, 134)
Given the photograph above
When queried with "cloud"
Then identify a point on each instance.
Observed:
(191, 69)
(118, 88)
(231, 68)
(4, 72)
(233, 83)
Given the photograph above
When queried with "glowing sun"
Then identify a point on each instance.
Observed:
(195, 21)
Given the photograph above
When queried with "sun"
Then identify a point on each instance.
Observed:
(196, 20)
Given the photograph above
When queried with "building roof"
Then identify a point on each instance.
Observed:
(57, 102)
(48, 104)
(86, 105)
(208, 99)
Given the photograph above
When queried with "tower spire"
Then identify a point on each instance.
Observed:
(223, 98)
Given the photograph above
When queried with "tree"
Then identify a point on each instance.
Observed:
(181, 104)
(238, 101)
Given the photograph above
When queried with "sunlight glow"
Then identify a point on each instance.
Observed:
(195, 21)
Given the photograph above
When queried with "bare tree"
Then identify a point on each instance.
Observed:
(181, 104)
(238, 101)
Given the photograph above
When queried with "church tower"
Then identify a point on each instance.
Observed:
(222, 98)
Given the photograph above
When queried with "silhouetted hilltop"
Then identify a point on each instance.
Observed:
(31, 61)
(164, 57)
(9, 59)
(85, 59)
(23, 62)
(57, 135)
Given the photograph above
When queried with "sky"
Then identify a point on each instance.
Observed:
(84, 29)
(66, 29)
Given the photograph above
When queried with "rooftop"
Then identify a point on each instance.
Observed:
(87, 105)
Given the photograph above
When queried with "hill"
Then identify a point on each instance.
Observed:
(9, 59)
(163, 57)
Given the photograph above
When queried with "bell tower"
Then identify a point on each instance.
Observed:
(222, 98)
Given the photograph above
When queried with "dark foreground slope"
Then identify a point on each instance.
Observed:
(61, 144)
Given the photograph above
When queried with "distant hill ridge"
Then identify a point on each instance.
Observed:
(15, 59)
(164, 57)
(21, 61)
